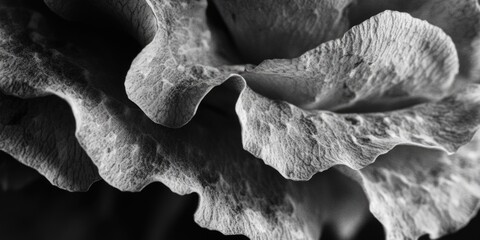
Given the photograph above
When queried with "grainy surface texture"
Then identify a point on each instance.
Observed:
(238, 194)
(274, 29)
(387, 58)
(380, 113)
(460, 19)
(415, 191)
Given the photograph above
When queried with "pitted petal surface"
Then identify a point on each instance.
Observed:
(26, 129)
(391, 56)
(415, 191)
(177, 67)
(460, 19)
(300, 143)
(238, 194)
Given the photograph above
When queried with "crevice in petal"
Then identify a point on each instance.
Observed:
(415, 191)
(460, 19)
(392, 58)
(282, 29)
(27, 134)
(239, 194)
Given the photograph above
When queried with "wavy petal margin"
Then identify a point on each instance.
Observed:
(238, 194)
(390, 56)
(26, 130)
(460, 19)
(415, 191)
(177, 67)
(299, 143)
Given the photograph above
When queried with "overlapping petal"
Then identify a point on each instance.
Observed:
(177, 67)
(460, 19)
(388, 58)
(284, 106)
(415, 191)
(282, 29)
(238, 194)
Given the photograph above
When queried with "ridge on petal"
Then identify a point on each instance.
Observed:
(460, 19)
(391, 56)
(415, 191)
(299, 143)
(236, 190)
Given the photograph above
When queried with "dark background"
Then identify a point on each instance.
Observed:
(38, 210)
(31, 208)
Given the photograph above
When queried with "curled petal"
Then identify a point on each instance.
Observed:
(415, 191)
(390, 56)
(27, 134)
(300, 143)
(460, 19)
(177, 67)
(238, 194)
(26, 129)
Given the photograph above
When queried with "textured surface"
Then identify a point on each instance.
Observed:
(136, 17)
(282, 29)
(238, 194)
(176, 69)
(390, 56)
(62, 89)
(415, 191)
(27, 133)
(26, 129)
(173, 73)
(460, 19)
(299, 143)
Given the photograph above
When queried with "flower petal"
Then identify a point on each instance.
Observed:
(177, 67)
(26, 129)
(415, 191)
(390, 56)
(238, 193)
(282, 29)
(299, 143)
(460, 19)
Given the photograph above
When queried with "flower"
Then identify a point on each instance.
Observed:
(391, 103)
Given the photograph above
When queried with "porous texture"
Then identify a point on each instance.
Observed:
(299, 143)
(415, 191)
(238, 194)
(388, 57)
(66, 113)
(460, 19)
